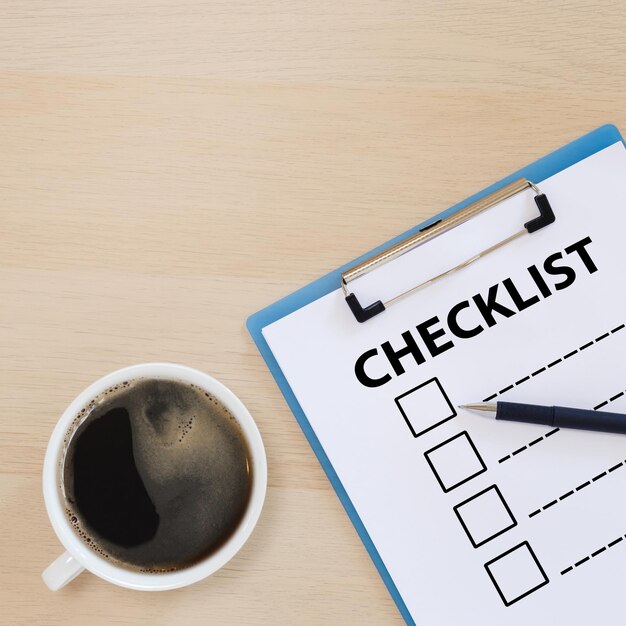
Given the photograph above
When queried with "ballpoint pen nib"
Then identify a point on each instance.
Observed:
(481, 406)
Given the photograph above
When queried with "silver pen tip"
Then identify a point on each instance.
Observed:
(480, 406)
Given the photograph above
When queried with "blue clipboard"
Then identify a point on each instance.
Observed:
(541, 169)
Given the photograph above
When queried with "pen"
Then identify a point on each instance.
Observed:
(559, 416)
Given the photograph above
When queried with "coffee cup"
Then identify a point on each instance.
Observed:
(81, 555)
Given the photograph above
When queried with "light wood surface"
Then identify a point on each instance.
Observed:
(168, 168)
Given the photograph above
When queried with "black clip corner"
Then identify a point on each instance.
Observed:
(363, 314)
(546, 214)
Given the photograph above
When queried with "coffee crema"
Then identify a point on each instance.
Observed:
(156, 474)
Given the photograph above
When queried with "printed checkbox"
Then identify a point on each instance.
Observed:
(516, 573)
(455, 461)
(425, 407)
(485, 516)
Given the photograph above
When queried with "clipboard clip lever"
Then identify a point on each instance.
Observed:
(546, 216)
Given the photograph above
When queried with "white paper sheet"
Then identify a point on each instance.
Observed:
(477, 521)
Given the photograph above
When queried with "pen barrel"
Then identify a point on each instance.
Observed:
(586, 419)
(562, 417)
(529, 413)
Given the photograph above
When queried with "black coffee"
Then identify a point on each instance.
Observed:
(156, 475)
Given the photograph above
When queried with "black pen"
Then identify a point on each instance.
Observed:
(559, 416)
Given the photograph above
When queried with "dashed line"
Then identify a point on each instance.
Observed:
(593, 555)
(556, 362)
(611, 399)
(576, 489)
(532, 443)
(540, 371)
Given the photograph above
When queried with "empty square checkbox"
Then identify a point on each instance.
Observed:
(424, 407)
(485, 516)
(516, 573)
(455, 461)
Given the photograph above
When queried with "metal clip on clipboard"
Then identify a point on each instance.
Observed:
(546, 217)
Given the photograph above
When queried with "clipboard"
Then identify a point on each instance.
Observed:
(536, 172)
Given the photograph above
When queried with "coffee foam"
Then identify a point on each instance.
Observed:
(193, 461)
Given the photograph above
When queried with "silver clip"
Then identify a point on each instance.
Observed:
(546, 216)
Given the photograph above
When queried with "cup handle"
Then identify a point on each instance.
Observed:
(61, 571)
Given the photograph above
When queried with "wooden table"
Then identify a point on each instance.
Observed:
(169, 168)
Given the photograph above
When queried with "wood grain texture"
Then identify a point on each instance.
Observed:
(168, 168)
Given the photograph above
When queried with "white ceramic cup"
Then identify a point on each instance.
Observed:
(79, 556)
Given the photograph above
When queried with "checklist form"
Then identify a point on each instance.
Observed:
(479, 521)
